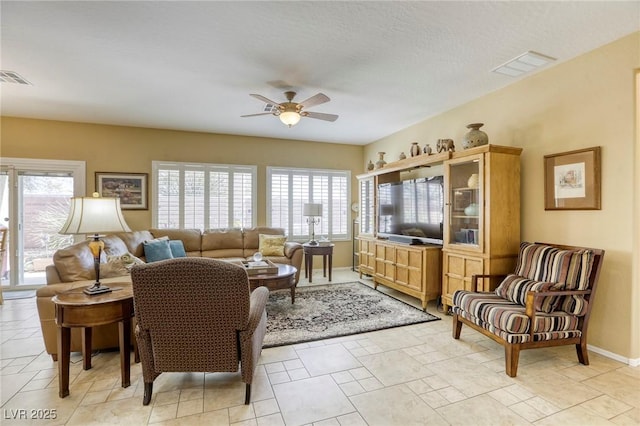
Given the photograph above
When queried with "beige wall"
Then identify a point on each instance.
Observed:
(588, 101)
(130, 149)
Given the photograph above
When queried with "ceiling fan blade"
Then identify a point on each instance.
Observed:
(318, 99)
(265, 100)
(255, 115)
(320, 116)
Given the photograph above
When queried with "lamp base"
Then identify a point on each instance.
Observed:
(95, 289)
(313, 243)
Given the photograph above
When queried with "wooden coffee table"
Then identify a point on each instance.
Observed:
(283, 279)
(76, 309)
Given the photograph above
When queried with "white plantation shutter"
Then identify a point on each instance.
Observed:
(289, 189)
(203, 196)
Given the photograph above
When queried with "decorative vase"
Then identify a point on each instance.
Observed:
(472, 210)
(380, 163)
(426, 149)
(475, 136)
(370, 166)
(415, 149)
(402, 156)
(473, 181)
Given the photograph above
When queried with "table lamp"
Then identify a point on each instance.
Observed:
(313, 211)
(95, 215)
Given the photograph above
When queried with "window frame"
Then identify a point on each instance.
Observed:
(183, 166)
(291, 171)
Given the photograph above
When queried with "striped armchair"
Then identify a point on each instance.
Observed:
(197, 315)
(546, 301)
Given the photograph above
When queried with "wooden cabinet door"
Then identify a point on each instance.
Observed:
(385, 262)
(458, 270)
(409, 263)
(367, 256)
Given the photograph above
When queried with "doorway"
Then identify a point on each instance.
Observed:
(34, 204)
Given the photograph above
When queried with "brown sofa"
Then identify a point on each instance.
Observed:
(73, 268)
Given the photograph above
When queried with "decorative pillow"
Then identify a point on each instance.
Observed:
(567, 269)
(117, 266)
(574, 305)
(271, 245)
(514, 288)
(177, 248)
(156, 250)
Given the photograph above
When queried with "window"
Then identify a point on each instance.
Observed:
(34, 204)
(289, 189)
(203, 196)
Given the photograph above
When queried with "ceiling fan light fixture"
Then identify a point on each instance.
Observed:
(289, 118)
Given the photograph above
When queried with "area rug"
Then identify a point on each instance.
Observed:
(334, 310)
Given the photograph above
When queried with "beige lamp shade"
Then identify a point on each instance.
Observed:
(94, 215)
(312, 209)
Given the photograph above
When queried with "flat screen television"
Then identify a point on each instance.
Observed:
(412, 211)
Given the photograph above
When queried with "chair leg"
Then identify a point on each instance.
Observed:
(511, 355)
(457, 327)
(148, 390)
(583, 355)
(247, 394)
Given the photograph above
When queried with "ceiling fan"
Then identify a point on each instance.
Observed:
(290, 112)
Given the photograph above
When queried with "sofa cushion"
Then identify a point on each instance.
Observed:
(509, 320)
(252, 237)
(75, 263)
(118, 266)
(177, 248)
(568, 269)
(217, 243)
(272, 245)
(515, 288)
(133, 240)
(191, 238)
(156, 250)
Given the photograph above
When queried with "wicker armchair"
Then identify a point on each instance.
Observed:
(197, 315)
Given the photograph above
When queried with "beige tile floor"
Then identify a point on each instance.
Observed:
(409, 375)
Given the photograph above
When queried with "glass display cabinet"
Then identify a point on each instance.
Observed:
(464, 198)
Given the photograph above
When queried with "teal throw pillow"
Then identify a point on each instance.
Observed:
(177, 248)
(156, 250)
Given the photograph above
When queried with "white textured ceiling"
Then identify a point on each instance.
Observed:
(191, 65)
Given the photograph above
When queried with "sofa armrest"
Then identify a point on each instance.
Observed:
(258, 303)
(290, 248)
(52, 274)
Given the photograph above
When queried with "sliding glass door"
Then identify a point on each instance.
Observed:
(35, 197)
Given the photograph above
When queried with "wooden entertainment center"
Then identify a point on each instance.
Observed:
(481, 221)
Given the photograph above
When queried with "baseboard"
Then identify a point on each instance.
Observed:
(633, 362)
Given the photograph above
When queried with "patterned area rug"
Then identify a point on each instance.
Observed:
(334, 310)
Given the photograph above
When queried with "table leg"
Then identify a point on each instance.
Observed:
(124, 328)
(324, 265)
(64, 356)
(330, 265)
(86, 347)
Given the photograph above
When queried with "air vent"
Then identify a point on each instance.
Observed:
(524, 63)
(13, 77)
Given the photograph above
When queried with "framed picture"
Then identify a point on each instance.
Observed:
(461, 199)
(131, 188)
(572, 180)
